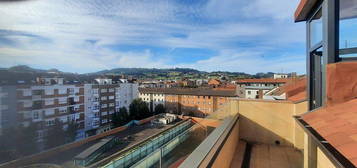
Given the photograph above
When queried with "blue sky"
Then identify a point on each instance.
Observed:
(91, 35)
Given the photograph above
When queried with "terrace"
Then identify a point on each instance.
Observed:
(262, 134)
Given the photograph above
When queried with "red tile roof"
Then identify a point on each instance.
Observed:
(298, 97)
(295, 89)
(338, 125)
(214, 82)
(341, 82)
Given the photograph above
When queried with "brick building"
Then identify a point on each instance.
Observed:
(198, 102)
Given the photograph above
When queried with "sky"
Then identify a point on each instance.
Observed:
(91, 35)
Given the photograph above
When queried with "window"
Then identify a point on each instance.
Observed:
(71, 90)
(62, 91)
(28, 104)
(249, 92)
(49, 92)
(103, 98)
(49, 112)
(104, 105)
(76, 99)
(62, 110)
(35, 115)
(111, 104)
(103, 90)
(316, 28)
(50, 122)
(27, 115)
(76, 90)
(26, 93)
(49, 102)
(62, 100)
(348, 28)
(111, 97)
(76, 108)
(111, 89)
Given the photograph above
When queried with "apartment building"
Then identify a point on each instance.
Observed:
(7, 107)
(199, 101)
(257, 88)
(43, 103)
(152, 97)
(280, 75)
(103, 99)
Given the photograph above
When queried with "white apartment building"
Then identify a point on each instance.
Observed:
(152, 98)
(125, 94)
(279, 76)
(253, 92)
(91, 107)
(103, 99)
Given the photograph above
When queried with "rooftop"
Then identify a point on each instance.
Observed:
(191, 91)
(264, 80)
(338, 125)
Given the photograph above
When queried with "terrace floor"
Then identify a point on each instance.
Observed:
(268, 156)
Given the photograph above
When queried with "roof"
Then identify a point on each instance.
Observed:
(295, 88)
(214, 82)
(298, 97)
(337, 124)
(304, 9)
(89, 151)
(259, 87)
(264, 80)
(190, 91)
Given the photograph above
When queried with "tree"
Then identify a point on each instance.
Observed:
(71, 131)
(28, 135)
(138, 110)
(18, 141)
(56, 136)
(120, 118)
(159, 109)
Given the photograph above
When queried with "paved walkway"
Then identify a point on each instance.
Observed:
(271, 156)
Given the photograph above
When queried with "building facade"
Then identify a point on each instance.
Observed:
(279, 76)
(103, 99)
(42, 104)
(196, 102)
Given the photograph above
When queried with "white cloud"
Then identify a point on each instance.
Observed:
(276, 9)
(250, 62)
(216, 25)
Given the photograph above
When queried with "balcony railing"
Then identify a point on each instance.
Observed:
(206, 154)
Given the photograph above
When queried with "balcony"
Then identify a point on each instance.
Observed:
(253, 134)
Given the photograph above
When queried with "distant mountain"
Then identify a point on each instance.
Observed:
(141, 71)
(27, 69)
(27, 74)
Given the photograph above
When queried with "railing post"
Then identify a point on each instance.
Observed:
(161, 157)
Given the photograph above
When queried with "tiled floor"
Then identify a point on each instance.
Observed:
(271, 156)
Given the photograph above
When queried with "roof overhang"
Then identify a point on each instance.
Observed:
(303, 10)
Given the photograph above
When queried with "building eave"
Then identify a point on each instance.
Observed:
(303, 9)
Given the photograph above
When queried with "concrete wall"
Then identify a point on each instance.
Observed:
(228, 150)
(323, 161)
(268, 122)
(314, 157)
